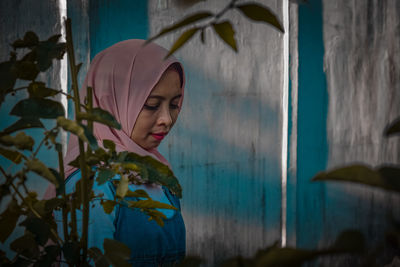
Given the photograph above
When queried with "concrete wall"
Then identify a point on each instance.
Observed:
(226, 146)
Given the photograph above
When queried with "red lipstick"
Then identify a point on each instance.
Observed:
(159, 136)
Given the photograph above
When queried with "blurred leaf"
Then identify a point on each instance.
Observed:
(191, 261)
(38, 89)
(261, 13)
(156, 215)
(108, 144)
(39, 228)
(184, 22)
(71, 252)
(26, 70)
(155, 172)
(26, 246)
(38, 108)
(52, 252)
(21, 141)
(122, 187)
(349, 241)
(7, 78)
(49, 50)
(103, 175)
(90, 137)
(149, 204)
(131, 166)
(285, 257)
(30, 39)
(116, 252)
(226, 32)
(182, 40)
(14, 156)
(40, 168)
(361, 174)
(393, 128)
(98, 257)
(53, 203)
(23, 123)
(108, 205)
(8, 220)
(137, 193)
(72, 127)
(238, 261)
(101, 116)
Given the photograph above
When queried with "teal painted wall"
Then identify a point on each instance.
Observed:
(312, 146)
(114, 21)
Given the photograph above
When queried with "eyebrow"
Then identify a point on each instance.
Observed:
(163, 98)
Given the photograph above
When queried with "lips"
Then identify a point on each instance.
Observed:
(159, 136)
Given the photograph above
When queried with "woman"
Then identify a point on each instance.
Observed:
(144, 92)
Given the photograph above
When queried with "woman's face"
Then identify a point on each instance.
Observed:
(159, 113)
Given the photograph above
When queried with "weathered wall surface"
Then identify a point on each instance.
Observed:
(226, 145)
(16, 18)
(362, 65)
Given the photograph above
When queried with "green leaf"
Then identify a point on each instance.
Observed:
(261, 13)
(361, 174)
(349, 241)
(157, 216)
(8, 78)
(90, 137)
(108, 144)
(30, 39)
(116, 252)
(8, 220)
(101, 116)
(98, 257)
(149, 204)
(137, 193)
(71, 252)
(184, 22)
(23, 123)
(40, 168)
(38, 108)
(182, 40)
(393, 128)
(26, 70)
(155, 172)
(38, 89)
(49, 50)
(226, 32)
(39, 228)
(14, 156)
(108, 206)
(122, 187)
(21, 141)
(26, 246)
(103, 175)
(79, 130)
(285, 257)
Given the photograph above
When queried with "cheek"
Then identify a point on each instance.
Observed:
(174, 116)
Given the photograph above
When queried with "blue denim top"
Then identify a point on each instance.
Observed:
(150, 244)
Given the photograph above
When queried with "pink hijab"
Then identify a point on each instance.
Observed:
(122, 77)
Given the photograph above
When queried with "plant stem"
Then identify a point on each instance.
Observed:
(64, 207)
(84, 180)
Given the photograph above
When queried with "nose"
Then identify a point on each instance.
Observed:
(165, 118)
